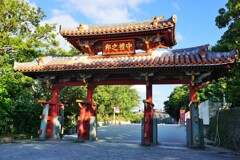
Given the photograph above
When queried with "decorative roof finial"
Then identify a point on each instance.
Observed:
(155, 20)
(82, 27)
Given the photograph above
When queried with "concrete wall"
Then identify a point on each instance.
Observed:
(204, 112)
(229, 128)
(207, 109)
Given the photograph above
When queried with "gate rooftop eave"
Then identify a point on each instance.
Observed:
(191, 57)
(153, 30)
(89, 30)
(166, 71)
(130, 77)
(176, 64)
(195, 67)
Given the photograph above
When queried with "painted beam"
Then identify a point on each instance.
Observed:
(123, 82)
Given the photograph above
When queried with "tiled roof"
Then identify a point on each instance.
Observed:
(129, 27)
(196, 56)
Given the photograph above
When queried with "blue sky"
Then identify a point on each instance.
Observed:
(195, 22)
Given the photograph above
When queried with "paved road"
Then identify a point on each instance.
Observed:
(115, 142)
(167, 134)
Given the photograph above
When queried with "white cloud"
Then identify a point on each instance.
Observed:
(176, 6)
(97, 11)
(140, 88)
(160, 93)
(61, 18)
(31, 3)
(179, 37)
(65, 20)
(104, 11)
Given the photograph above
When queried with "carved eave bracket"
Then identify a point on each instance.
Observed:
(49, 81)
(87, 46)
(85, 78)
(198, 79)
(150, 43)
(147, 77)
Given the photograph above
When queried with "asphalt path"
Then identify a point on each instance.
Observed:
(167, 133)
(115, 142)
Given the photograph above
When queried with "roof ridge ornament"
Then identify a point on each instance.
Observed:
(193, 49)
(82, 27)
(156, 20)
(203, 52)
(174, 18)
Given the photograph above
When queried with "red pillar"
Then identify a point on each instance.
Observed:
(90, 89)
(53, 111)
(193, 92)
(148, 116)
(84, 120)
(93, 109)
(149, 92)
(87, 109)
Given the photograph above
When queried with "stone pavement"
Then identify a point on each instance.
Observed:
(108, 148)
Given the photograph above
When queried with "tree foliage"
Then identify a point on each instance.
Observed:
(230, 17)
(178, 99)
(22, 39)
(215, 91)
(108, 97)
(22, 36)
(68, 96)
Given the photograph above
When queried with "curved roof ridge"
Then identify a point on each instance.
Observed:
(190, 57)
(159, 19)
(123, 24)
(192, 49)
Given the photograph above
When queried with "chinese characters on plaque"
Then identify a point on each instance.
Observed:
(118, 47)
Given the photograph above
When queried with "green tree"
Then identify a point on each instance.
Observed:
(178, 99)
(68, 96)
(126, 98)
(108, 97)
(23, 38)
(230, 17)
(103, 98)
(214, 91)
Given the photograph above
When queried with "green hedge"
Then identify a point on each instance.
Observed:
(228, 128)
